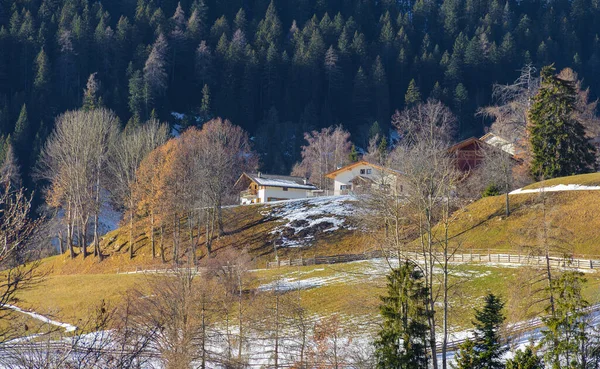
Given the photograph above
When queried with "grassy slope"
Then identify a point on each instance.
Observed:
(75, 286)
(571, 216)
(247, 227)
(590, 179)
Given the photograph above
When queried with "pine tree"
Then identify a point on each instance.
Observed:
(22, 128)
(136, 95)
(91, 98)
(525, 360)
(413, 95)
(402, 340)
(564, 336)
(558, 141)
(205, 104)
(382, 93)
(466, 356)
(488, 344)
(42, 75)
(353, 154)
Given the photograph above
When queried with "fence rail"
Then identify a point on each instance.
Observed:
(475, 256)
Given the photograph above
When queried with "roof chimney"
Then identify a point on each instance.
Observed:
(305, 180)
(259, 175)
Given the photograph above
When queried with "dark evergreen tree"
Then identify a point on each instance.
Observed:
(558, 141)
(402, 340)
(488, 343)
(564, 336)
(413, 95)
(485, 349)
(91, 96)
(525, 360)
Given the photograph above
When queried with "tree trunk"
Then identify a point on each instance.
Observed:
(240, 317)
(97, 252)
(83, 237)
(131, 240)
(203, 333)
(162, 243)
(152, 240)
(70, 233)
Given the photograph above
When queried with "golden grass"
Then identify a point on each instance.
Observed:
(73, 298)
(571, 217)
(590, 179)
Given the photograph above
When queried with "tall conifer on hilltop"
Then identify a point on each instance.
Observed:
(558, 141)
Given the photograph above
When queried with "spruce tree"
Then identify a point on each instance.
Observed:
(564, 336)
(402, 340)
(465, 356)
(353, 154)
(205, 104)
(22, 127)
(558, 141)
(413, 95)
(485, 349)
(525, 360)
(91, 98)
(488, 343)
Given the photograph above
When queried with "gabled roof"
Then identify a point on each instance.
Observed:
(333, 174)
(274, 180)
(488, 139)
(463, 144)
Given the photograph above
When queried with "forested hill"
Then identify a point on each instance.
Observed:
(277, 68)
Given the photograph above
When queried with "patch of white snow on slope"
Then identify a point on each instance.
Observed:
(302, 215)
(293, 284)
(557, 188)
(68, 327)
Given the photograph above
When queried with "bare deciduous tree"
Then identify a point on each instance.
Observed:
(431, 176)
(74, 162)
(326, 150)
(126, 155)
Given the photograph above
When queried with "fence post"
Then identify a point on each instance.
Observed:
(509, 258)
(591, 264)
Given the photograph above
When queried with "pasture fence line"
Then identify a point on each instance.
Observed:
(473, 256)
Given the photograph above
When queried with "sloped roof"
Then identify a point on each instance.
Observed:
(498, 142)
(275, 180)
(333, 174)
(463, 143)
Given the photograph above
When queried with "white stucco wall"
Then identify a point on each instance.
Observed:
(278, 193)
(344, 178)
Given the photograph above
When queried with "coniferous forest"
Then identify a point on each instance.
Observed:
(277, 68)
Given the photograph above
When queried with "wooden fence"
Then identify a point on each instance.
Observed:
(474, 256)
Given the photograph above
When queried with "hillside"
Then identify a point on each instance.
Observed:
(571, 219)
(326, 226)
(313, 227)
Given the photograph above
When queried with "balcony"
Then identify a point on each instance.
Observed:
(249, 194)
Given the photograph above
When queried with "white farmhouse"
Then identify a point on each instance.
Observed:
(261, 188)
(362, 176)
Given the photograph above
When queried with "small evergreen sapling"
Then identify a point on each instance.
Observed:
(486, 348)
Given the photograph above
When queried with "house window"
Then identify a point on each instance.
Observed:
(362, 171)
(368, 171)
(345, 187)
(365, 171)
(285, 188)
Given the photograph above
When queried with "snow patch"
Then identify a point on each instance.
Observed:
(305, 217)
(557, 188)
(68, 327)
